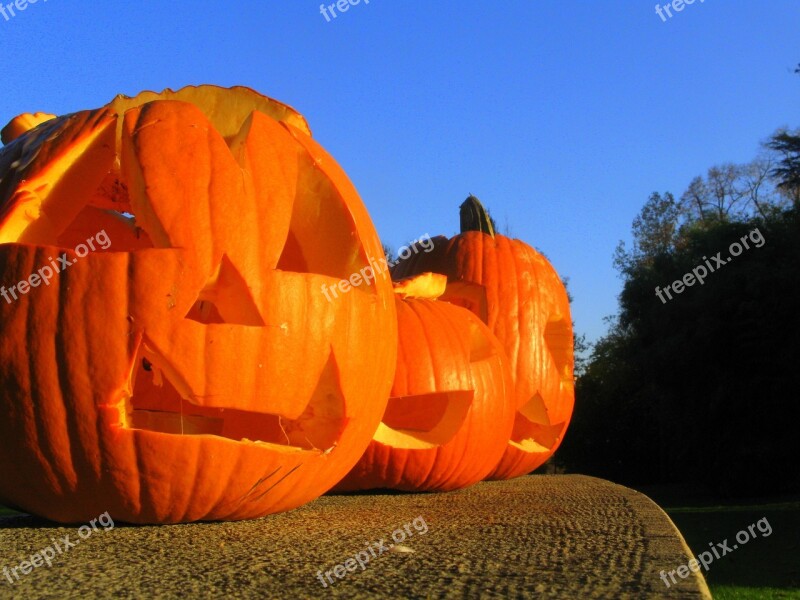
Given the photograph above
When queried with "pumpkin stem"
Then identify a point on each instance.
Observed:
(474, 217)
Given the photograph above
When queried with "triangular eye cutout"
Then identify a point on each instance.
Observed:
(226, 298)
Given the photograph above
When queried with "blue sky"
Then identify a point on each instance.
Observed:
(561, 116)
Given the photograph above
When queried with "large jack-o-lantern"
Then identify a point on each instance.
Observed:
(519, 295)
(452, 405)
(192, 367)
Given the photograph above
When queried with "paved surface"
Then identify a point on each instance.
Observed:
(564, 536)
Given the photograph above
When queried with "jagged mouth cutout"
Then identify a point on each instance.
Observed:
(154, 403)
(424, 421)
(533, 432)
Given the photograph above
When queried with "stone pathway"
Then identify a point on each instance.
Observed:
(558, 536)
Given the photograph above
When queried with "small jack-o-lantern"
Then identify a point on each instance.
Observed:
(451, 408)
(519, 295)
(170, 354)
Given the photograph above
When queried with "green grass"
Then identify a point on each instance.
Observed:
(7, 512)
(762, 567)
(735, 592)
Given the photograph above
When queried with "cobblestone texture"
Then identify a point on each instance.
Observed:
(564, 536)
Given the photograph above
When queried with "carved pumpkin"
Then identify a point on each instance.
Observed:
(518, 294)
(193, 369)
(22, 123)
(451, 407)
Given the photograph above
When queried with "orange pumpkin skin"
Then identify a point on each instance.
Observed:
(519, 295)
(451, 407)
(193, 369)
(22, 123)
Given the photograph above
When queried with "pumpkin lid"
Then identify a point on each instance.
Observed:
(226, 108)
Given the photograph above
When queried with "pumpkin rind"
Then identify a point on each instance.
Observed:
(185, 372)
(21, 124)
(451, 408)
(519, 295)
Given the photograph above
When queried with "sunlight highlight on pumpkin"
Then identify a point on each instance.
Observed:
(68, 157)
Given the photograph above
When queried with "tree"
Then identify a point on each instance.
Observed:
(787, 172)
(732, 192)
(696, 389)
(787, 146)
(580, 346)
(715, 198)
(757, 183)
(389, 253)
(654, 232)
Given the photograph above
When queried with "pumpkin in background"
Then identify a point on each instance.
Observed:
(519, 295)
(191, 368)
(451, 408)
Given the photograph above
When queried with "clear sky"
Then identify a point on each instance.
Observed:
(561, 116)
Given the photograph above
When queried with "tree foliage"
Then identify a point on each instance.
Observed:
(787, 171)
(654, 231)
(698, 389)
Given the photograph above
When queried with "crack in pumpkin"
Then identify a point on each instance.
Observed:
(272, 487)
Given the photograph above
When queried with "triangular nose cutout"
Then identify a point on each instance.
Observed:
(226, 298)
